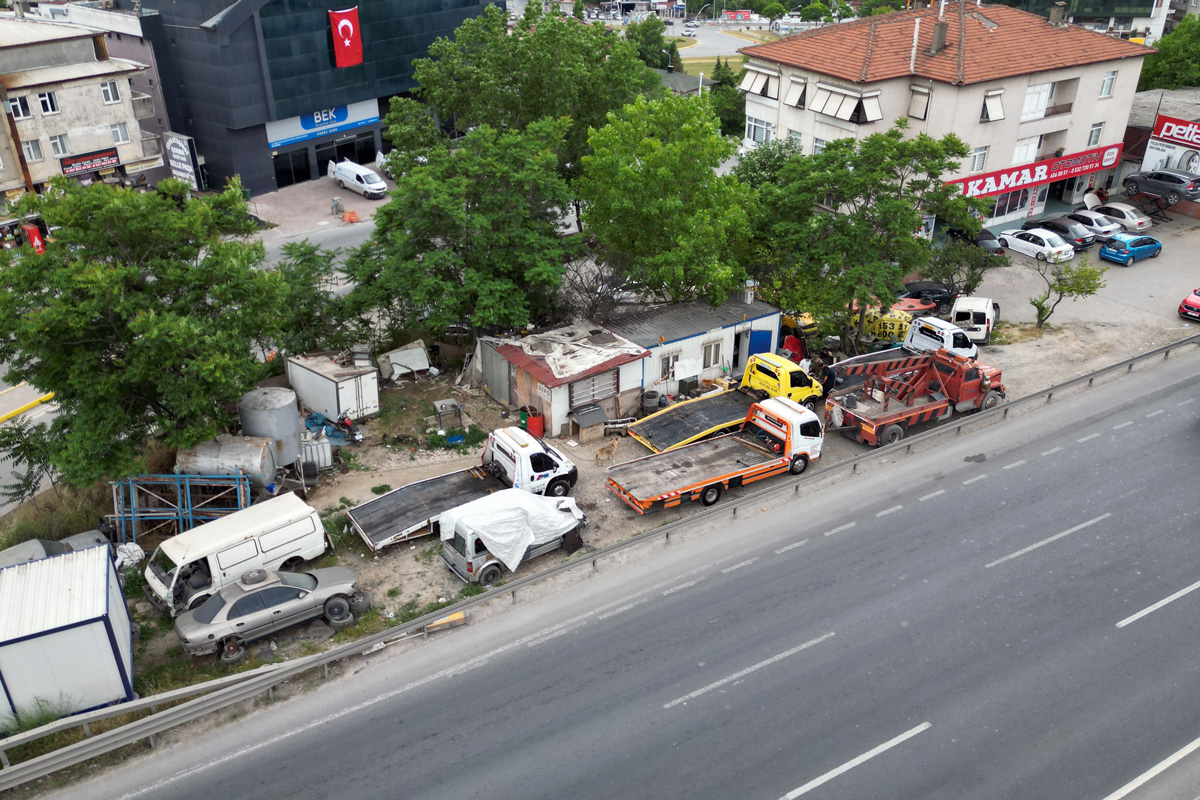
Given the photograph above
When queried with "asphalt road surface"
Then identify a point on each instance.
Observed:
(1011, 615)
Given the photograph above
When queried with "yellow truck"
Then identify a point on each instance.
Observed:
(716, 413)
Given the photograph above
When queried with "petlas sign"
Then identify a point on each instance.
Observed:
(1052, 169)
(1177, 130)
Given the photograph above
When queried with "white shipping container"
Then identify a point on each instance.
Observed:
(335, 390)
(65, 639)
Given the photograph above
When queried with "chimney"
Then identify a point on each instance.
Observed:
(1058, 13)
(939, 37)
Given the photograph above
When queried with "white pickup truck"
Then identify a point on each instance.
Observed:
(512, 458)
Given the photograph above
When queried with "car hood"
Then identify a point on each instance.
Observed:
(1193, 299)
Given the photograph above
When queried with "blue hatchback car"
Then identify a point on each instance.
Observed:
(1125, 248)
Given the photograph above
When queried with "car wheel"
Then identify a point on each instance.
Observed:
(341, 184)
(1173, 198)
(558, 488)
(233, 651)
(943, 309)
(360, 601)
(711, 494)
(990, 400)
(1129, 261)
(1042, 257)
(1131, 188)
(197, 601)
(293, 564)
(337, 612)
(1156, 253)
(1003, 242)
(490, 574)
(892, 434)
(798, 465)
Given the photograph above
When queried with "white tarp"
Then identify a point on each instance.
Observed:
(511, 520)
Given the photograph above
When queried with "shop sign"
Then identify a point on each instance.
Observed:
(89, 162)
(34, 237)
(736, 16)
(1181, 131)
(322, 122)
(1175, 144)
(181, 157)
(1047, 171)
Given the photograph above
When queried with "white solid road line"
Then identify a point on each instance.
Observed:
(1158, 605)
(1015, 464)
(1161, 766)
(887, 511)
(931, 496)
(1086, 438)
(849, 765)
(1051, 451)
(791, 546)
(840, 528)
(1044, 542)
(743, 673)
(745, 563)
(976, 478)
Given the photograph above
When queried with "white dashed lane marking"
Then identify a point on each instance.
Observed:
(1118, 427)
(791, 546)
(931, 496)
(976, 478)
(1051, 451)
(1154, 413)
(745, 563)
(1015, 464)
(1087, 438)
(840, 528)
(887, 511)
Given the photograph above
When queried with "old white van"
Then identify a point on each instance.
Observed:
(931, 333)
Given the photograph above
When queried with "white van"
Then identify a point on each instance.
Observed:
(280, 533)
(358, 178)
(977, 316)
(931, 333)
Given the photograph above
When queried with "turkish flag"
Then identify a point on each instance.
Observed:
(347, 40)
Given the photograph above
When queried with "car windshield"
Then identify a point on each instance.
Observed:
(301, 580)
(207, 612)
(163, 567)
(371, 177)
(1054, 240)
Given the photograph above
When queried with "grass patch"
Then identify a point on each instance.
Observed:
(705, 66)
(341, 535)
(350, 459)
(1014, 333)
(56, 513)
(430, 553)
(393, 592)
(366, 624)
(474, 437)
(382, 488)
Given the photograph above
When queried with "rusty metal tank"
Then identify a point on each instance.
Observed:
(272, 413)
(230, 455)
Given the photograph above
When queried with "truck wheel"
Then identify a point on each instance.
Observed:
(293, 564)
(990, 400)
(811, 404)
(337, 612)
(233, 652)
(799, 464)
(490, 574)
(198, 601)
(360, 601)
(711, 494)
(892, 434)
(558, 488)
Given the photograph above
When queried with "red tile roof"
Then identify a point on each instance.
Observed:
(983, 43)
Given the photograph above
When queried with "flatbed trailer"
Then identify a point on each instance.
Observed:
(693, 420)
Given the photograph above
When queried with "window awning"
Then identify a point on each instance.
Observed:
(995, 109)
(918, 105)
(795, 94)
(754, 82)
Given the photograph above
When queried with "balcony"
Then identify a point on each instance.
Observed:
(143, 106)
(151, 145)
(1061, 108)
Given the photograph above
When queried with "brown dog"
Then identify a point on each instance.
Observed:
(609, 451)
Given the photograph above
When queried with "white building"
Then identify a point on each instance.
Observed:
(1043, 105)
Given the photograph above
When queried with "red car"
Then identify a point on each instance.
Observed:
(1190, 307)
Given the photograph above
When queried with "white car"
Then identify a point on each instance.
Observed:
(691, 23)
(1042, 244)
(690, 33)
(1101, 226)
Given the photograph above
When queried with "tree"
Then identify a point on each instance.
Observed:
(647, 36)
(873, 8)
(470, 236)
(1069, 279)
(960, 265)
(315, 318)
(774, 11)
(728, 102)
(764, 164)
(141, 317)
(26, 443)
(676, 59)
(814, 12)
(577, 9)
(1177, 62)
(657, 207)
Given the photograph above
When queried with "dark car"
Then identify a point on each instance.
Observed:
(985, 240)
(1072, 232)
(1171, 185)
(931, 292)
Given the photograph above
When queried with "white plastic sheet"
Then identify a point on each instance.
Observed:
(512, 520)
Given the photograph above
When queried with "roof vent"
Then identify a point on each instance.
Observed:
(939, 37)
(1058, 13)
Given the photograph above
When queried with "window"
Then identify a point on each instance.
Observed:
(1110, 77)
(49, 101)
(1037, 100)
(33, 150)
(278, 595)
(59, 145)
(712, 355)
(19, 106)
(918, 103)
(759, 130)
(667, 365)
(1094, 134)
(795, 93)
(541, 462)
(240, 553)
(247, 605)
(797, 139)
(818, 145)
(109, 92)
(1026, 151)
(593, 389)
(978, 158)
(993, 108)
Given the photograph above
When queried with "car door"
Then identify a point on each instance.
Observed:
(249, 618)
(1144, 247)
(289, 605)
(1034, 244)
(1021, 243)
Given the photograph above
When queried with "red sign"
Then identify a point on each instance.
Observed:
(347, 40)
(1181, 131)
(1039, 172)
(89, 162)
(34, 237)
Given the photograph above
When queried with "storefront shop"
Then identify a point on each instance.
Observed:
(1031, 189)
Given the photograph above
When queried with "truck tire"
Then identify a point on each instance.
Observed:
(232, 652)
(360, 601)
(711, 494)
(799, 464)
(990, 400)
(891, 435)
(337, 612)
(558, 488)
(811, 404)
(490, 574)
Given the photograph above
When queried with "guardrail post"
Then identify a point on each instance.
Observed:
(4, 759)
(87, 732)
(1049, 397)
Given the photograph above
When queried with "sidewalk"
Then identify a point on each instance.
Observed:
(302, 208)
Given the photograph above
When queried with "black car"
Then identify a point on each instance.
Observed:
(985, 240)
(1071, 231)
(930, 292)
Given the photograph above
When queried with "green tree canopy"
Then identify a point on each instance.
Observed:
(315, 318)
(1067, 280)
(960, 265)
(1177, 62)
(774, 11)
(141, 317)
(764, 164)
(647, 36)
(472, 235)
(577, 9)
(814, 12)
(728, 102)
(656, 205)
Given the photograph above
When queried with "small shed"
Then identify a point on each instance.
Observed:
(325, 384)
(66, 644)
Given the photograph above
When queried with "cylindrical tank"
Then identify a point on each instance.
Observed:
(272, 414)
(230, 455)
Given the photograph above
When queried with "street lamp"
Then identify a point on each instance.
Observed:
(701, 11)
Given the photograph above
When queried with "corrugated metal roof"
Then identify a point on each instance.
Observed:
(69, 72)
(536, 365)
(16, 32)
(684, 320)
(52, 593)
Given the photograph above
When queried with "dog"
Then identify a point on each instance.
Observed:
(608, 451)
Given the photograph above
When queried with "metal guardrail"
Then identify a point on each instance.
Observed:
(219, 695)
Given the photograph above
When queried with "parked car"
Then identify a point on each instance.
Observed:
(1042, 244)
(691, 23)
(941, 296)
(358, 178)
(1125, 248)
(1099, 225)
(1171, 185)
(1075, 234)
(1123, 214)
(985, 240)
(1190, 307)
(977, 316)
(263, 602)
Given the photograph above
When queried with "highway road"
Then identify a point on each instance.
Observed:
(1010, 615)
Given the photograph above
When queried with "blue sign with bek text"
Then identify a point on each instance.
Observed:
(322, 122)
